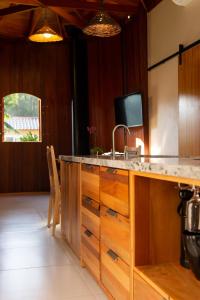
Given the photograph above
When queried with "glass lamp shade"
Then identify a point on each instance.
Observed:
(102, 25)
(46, 29)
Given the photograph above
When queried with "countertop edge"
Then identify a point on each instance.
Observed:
(184, 168)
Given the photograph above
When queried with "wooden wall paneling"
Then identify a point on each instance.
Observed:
(118, 66)
(44, 71)
(134, 45)
(189, 103)
(80, 93)
(105, 83)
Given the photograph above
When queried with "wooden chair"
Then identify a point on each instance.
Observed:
(55, 194)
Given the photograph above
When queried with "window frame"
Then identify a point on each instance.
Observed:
(2, 121)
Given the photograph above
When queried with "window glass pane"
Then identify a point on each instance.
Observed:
(21, 118)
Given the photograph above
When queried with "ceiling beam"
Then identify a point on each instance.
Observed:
(144, 5)
(26, 2)
(80, 4)
(72, 19)
(15, 9)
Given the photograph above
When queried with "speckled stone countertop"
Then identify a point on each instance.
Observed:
(165, 165)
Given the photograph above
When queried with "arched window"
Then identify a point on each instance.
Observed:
(21, 118)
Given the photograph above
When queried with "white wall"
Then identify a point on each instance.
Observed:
(168, 26)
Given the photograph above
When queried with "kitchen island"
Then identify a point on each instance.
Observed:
(120, 217)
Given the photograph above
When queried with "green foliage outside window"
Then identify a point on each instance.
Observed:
(20, 104)
(29, 137)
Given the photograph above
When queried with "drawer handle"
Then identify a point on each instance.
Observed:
(111, 171)
(87, 200)
(112, 254)
(111, 212)
(88, 233)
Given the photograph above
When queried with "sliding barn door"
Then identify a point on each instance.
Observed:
(189, 103)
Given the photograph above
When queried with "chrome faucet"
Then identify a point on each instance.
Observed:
(113, 137)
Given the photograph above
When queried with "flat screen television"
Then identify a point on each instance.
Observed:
(128, 110)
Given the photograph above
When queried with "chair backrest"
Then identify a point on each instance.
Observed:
(53, 172)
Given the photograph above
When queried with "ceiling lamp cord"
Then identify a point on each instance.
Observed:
(102, 24)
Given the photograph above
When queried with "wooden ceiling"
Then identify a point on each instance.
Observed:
(16, 16)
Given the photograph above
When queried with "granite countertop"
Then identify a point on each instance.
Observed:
(166, 165)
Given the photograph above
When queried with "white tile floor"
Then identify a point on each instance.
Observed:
(33, 264)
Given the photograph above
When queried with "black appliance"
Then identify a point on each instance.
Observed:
(192, 246)
(185, 194)
(128, 110)
(192, 232)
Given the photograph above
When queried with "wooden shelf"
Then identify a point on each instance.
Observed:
(171, 279)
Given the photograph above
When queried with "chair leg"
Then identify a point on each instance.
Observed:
(56, 215)
(50, 211)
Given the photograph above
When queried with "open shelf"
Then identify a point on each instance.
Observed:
(157, 236)
(172, 279)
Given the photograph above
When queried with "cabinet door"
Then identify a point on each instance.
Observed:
(75, 207)
(143, 291)
(115, 232)
(65, 193)
(90, 215)
(114, 189)
(70, 204)
(115, 274)
(90, 251)
(90, 181)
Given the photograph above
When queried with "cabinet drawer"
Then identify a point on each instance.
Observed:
(115, 232)
(114, 274)
(142, 290)
(90, 252)
(90, 181)
(114, 189)
(90, 212)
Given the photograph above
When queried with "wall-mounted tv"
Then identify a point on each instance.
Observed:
(128, 110)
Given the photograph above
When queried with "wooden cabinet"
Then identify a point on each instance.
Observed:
(115, 232)
(70, 204)
(114, 189)
(90, 219)
(143, 291)
(130, 231)
(115, 274)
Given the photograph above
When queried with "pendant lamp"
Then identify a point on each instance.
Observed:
(102, 25)
(46, 28)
